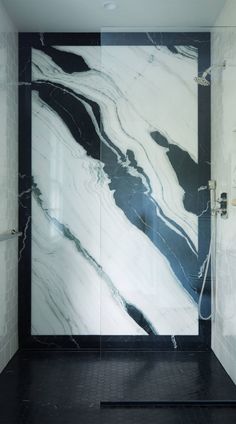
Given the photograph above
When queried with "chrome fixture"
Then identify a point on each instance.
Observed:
(202, 80)
(212, 188)
(10, 235)
(223, 201)
(220, 205)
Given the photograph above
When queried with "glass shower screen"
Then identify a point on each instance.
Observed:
(154, 159)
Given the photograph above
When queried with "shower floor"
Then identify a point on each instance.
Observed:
(67, 387)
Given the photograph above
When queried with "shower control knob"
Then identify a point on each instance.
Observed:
(223, 205)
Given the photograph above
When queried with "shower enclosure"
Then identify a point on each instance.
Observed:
(114, 162)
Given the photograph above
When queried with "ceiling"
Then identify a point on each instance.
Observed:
(90, 15)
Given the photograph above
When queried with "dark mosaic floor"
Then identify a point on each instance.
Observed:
(66, 388)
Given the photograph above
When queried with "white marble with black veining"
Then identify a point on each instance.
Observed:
(114, 164)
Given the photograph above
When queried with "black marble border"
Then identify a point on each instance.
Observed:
(26, 42)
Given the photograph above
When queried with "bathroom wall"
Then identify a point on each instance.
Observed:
(224, 172)
(8, 187)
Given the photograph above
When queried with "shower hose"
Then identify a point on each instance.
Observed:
(204, 284)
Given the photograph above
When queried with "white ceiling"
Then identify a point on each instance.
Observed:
(90, 15)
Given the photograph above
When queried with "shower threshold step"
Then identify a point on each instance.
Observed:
(169, 403)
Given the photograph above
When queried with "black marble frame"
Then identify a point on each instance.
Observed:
(26, 42)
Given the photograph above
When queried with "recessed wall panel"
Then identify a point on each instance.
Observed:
(116, 197)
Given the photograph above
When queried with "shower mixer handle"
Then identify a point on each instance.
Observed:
(222, 209)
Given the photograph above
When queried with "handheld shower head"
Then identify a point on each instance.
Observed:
(202, 80)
